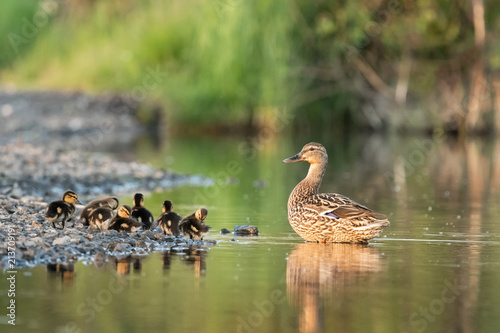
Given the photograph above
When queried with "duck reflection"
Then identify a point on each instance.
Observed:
(318, 272)
(65, 270)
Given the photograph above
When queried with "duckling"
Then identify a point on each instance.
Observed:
(168, 220)
(140, 213)
(193, 225)
(62, 210)
(110, 202)
(328, 217)
(123, 222)
(100, 218)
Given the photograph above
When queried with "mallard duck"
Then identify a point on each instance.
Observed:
(100, 218)
(328, 217)
(192, 226)
(109, 202)
(62, 210)
(140, 213)
(168, 221)
(123, 222)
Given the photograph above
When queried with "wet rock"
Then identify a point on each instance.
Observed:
(246, 230)
(224, 231)
(122, 247)
(149, 234)
(61, 240)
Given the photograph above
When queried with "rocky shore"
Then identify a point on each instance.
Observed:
(27, 240)
(42, 155)
(32, 176)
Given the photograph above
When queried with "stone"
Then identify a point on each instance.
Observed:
(224, 231)
(246, 230)
(61, 240)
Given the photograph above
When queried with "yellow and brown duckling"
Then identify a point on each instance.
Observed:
(62, 210)
(109, 202)
(328, 217)
(193, 225)
(100, 218)
(123, 222)
(140, 213)
(168, 221)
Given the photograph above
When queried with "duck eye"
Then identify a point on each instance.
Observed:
(311, 149)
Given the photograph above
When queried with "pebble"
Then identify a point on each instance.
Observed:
(61, 240)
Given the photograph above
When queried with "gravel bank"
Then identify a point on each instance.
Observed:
(26, 240)
(48, 144)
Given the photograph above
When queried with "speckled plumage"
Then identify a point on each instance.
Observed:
(109, 202)
(193, 225)
(122, 221)
(62, 210)
(168, 221)
(328, 217)
(99, 218)
(140, 213)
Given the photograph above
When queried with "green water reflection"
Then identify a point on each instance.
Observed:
(434, 270)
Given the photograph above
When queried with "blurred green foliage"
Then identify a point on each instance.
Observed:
(234, 61)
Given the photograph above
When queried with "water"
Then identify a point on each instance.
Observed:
(434, 270)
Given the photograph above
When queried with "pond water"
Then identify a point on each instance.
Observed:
(434, 270)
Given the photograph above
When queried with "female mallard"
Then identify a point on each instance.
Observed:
(192, 226)
(169, 220)
(123, 222)
(62, 210)
(328, 217)
(109, 202)
(140, 213)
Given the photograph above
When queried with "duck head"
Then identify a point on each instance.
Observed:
(167, 206)
(201, 214)
(124, 211)
(138, 200)
(312, 152)
(71, 197)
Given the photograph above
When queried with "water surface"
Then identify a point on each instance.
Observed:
(434, 270)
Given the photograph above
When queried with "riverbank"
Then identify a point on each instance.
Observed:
(51, 142)
(32, 176)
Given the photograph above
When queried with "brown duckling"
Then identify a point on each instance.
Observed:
(193, 226)
(109, 202)
(62, 210)
(169, 220)
(100, 218)
(123, 222)
(140, 213)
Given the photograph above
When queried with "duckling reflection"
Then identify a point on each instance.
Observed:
(197, 258)
(99, 259)
(123, 264)
(166, 261)
(66, 270)
(317, 272)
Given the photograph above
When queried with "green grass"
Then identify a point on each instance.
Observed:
(13, 17)
(220, 61)
(229, 62)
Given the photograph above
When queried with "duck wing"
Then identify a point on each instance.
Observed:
(339, 207)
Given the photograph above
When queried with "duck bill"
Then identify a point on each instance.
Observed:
(295, 158)
(78, 202)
